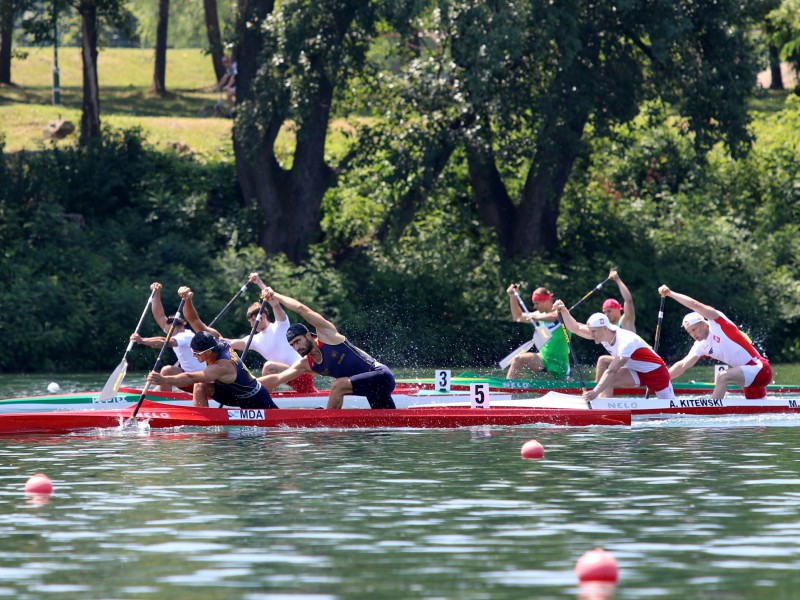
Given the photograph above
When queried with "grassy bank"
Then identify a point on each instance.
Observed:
(125, 99)
(182, 117)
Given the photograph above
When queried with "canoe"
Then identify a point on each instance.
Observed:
(641, 406)
(403, 396)
(158, 415)
(543, 386)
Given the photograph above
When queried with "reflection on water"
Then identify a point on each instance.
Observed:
(690, 508)
(688, 512)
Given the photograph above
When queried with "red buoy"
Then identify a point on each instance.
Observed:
(597, 565)
(532, 449)
(39, 484)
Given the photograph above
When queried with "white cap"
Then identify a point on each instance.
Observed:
(692, 319)
(600, 320)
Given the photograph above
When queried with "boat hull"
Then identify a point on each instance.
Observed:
(543, 386)
(159, 415)
(126, 397)
(655, 406)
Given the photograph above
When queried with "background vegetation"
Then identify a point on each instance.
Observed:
(86, 228)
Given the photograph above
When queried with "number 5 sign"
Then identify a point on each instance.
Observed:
(479, 395)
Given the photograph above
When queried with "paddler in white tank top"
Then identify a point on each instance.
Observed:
(634, 362)
(715, 336)
(614, 311)
(179, 342)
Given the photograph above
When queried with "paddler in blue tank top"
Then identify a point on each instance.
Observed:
(330, 353)
(225, 376)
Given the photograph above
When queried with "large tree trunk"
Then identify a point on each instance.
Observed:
(90, 115)
(291, 199)
(531, 225)
(776, 82)
(214, 37)
(6, 32)
(160, 70)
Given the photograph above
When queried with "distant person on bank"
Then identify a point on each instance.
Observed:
(633, 361)
(614, 311)
(717, 337)
(330, 353)
(225, 376)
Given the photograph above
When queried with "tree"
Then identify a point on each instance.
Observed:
(214, 36)
(160, 69)
(519, 86)
(9, 11)
(39, 24)
(292, 58)
(784, 31)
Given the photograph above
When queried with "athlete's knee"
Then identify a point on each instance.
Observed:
(341, 386)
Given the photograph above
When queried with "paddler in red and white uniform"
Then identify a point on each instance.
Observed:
(634, 362)
(614, 311)
(716, 337)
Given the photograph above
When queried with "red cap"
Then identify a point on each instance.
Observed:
(611, 303)
(541, 297)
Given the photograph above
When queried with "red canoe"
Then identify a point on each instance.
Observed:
(160, 415)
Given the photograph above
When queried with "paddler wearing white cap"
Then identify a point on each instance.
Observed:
(634, 362)
(716, 337)
(614, 311)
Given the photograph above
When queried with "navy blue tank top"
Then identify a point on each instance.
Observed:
(245, 391)
(342, 360)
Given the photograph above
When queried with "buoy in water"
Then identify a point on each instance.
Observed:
(53, 387)
(532, 449)
(39, 484)
(597, 565)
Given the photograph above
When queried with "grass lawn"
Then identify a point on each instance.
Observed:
(125, 77)
(125, 100)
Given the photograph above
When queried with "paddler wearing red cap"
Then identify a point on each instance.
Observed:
(330, 353)
(716, 337)
(553, 355)
(633, 361)
(614, 311)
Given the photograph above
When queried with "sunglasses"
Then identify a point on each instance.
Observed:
(201, 352)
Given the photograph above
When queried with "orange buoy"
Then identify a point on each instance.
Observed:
(597, 565)
(532, 449)
(39, 484)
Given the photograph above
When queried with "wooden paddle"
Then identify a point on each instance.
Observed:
(229, 304)
(574, 356)
(111, 387)
(254, 328)
(157, 366)
(658, 335)
(527, 345)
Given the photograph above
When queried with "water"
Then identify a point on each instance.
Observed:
(692, 508)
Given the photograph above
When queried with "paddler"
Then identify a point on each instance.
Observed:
(633, 361)
(718, 338)
(179, 342)
(270, 341)
(553, 354)
(622, 315)
(328, 352)
(225, 376)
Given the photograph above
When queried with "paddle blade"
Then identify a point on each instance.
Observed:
(524, 348)
(111, 387)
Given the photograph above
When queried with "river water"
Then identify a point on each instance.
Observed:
(690, 508)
